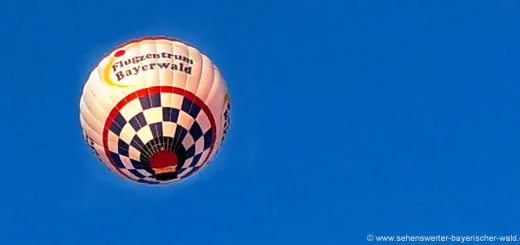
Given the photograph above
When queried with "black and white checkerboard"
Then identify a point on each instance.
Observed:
(151, 122)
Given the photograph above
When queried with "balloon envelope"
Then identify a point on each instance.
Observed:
(155, 110)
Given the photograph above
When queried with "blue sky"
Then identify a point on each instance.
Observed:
(349, 118)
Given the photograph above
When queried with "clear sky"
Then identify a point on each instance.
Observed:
(349, 118)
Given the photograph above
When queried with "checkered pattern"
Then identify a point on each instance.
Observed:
(161, 120)
(227, 119)
(90, 143)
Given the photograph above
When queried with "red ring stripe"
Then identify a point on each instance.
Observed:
(150, 91)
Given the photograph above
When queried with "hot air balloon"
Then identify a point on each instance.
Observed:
(155, 110)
